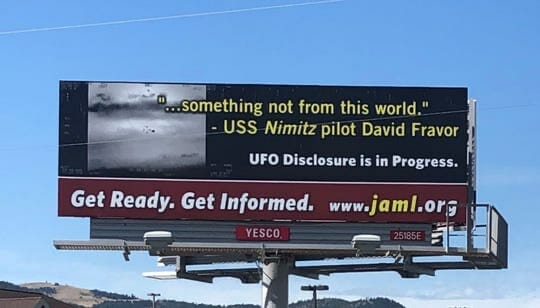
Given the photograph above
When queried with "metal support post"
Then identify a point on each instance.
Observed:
(471, 161)
(275, 283)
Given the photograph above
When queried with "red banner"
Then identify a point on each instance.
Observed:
(262, 233)
(261, 200)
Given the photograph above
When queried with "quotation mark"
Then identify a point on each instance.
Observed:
(162, 99)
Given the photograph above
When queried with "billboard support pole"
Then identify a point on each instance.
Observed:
(275, 283)
(471, 157)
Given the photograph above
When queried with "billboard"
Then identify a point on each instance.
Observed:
(263, 152)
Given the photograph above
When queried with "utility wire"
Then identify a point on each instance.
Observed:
(262, 129)
(160, 18)
(32, 147)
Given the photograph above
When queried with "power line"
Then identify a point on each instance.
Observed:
(510, 107)
(33, 146)
(318, 123)
(160, 18)
(261, 129)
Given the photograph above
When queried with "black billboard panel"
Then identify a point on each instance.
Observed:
(263, 132)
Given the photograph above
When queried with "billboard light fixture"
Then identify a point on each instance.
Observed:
(366, 242)
(158, 241)
(168, 260)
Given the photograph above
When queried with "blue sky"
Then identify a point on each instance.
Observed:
(491, 47)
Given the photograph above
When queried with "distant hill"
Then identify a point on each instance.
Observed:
(165, 304)
(321, 303)
(103, 299)
(378, 302)
(11, 286)
(68, 294)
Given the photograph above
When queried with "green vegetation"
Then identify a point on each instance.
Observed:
(115, 296)
(322, 303)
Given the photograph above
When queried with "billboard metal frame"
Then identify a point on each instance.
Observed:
(492, 256)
